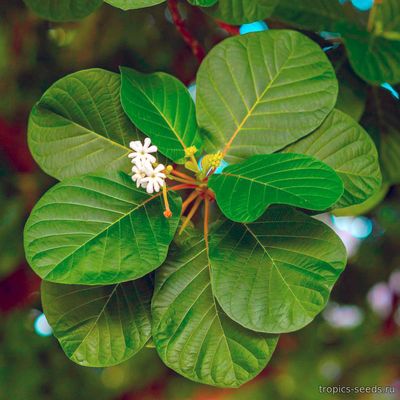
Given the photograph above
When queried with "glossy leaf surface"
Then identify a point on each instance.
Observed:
(281, 87)
(192, 334)
(275, 275)
(245, 190)
(99, 326)
(98, 229)
(79, 127)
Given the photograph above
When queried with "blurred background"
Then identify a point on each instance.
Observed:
(355, 342)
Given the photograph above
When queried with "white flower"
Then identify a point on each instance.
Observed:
(155, 178)
(139, 172)
(141, 152)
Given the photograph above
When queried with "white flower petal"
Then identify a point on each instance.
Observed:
(136, 145)
(150, 188)
(152, 149)
(147, 143)
(159, 168)
(156, 186)
(159, 181)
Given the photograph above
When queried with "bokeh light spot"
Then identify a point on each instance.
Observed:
(363, 5)
(257, 26)
(42, 327)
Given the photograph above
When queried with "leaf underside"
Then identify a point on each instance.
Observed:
(133, 4)
(63, 10)
(242, 11)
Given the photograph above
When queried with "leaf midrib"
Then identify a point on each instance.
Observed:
(70, 121)
(97, 319)
(275, 266)
(256, 103)
(138, 206)
(172, 128)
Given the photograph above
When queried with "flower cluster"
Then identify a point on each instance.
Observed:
(146, 172)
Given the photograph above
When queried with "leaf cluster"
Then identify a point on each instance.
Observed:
(117, 274)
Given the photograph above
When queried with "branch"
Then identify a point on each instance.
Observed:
(190, 40)
(231, 29)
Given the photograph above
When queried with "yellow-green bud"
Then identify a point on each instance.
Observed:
(190, 151)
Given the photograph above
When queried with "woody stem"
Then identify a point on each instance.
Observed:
(191, 41)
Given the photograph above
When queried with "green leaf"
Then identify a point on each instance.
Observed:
(352, 89)
(193, 336)
(202, 3)
(313, 15)
(374, 58)
(242, 11)
(161, 107)
(344, 145)
(381, 120)
(79, 127)
(133, 4)
(12, 215)
(388, 15)
(366, 206)
(99, 326)
(63, 10)
(98, 230)
(259, 92)
(275, 275)
(245, 190)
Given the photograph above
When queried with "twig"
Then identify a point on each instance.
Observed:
(191, 41)
(231, 29)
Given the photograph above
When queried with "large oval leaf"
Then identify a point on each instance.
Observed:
(245, 190)
(79, 126)
(343, 144)
(381, 120)
(374, 58)
(161, 106)
(63, 10)
(99, 326)
(275, 275)
(259, 92)
(388, 16)
(243, 11)
(352, 89)
(133, 4)
(98, 230)
(192, 334)
(202, 3)
(313, 15)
